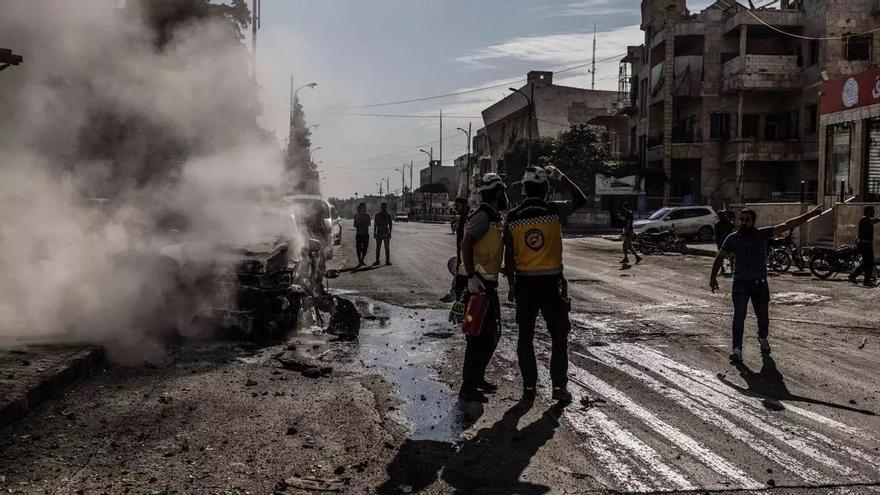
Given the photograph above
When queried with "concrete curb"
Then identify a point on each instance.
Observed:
(79, 364)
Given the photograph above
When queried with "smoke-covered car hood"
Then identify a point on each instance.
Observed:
(272, 254)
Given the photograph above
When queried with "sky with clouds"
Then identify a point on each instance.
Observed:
(366, 52)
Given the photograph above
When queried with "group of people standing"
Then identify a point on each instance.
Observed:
(382, 226)
(524, 245)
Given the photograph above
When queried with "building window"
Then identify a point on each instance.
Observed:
(857, 47)
(812, 118)
(719, 125)
(750, 126)
(837, 157)
(814, 52)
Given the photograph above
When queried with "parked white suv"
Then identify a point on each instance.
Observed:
(697, 221)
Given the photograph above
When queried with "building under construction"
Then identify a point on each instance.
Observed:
(724, 103)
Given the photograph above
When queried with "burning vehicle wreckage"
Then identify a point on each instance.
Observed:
(260, 286)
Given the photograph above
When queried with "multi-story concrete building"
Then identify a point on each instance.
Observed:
(554, 109)
(724, 103)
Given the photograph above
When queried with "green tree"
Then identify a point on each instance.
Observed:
(581, 152)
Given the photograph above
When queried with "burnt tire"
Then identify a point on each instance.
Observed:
(820, 268)
(705, 234)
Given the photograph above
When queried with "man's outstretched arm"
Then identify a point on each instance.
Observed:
(578, 198)
(796, 222)
(716, 267)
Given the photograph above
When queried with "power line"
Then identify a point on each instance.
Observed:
(345, 114)
(391, 155)
(467, 91)
(800, 36)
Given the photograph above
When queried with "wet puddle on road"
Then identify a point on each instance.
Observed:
(406, 345)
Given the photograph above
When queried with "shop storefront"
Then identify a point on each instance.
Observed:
(849, 154)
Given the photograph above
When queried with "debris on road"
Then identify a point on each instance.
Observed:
(864, 341)
(304, 484)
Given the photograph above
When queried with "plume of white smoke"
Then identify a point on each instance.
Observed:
(98, 111)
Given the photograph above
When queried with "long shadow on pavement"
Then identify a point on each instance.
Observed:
(491, 462)
(769, 385)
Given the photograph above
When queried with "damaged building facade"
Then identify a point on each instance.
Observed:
(724, 104)
(554, 108)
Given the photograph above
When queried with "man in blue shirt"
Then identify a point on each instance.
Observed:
(749, 246)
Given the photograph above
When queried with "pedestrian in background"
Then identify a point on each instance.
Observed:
(382, 233)
(628, 236)
(749, 245)
(723, 228)
(534, 241)
(482, 254)
(865, 245)
(362, 233)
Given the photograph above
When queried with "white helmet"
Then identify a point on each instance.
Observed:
(491, 181)
(535, 175)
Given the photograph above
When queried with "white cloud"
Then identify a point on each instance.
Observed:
(558, 49)
(586, 8)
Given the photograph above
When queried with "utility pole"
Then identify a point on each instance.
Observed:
(388, 185)
(441, 144)
(255, 25)
(380, 184)
(593, 70)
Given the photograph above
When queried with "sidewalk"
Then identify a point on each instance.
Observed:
(29, 375)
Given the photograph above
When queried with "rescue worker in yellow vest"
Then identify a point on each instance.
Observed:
(533, 235)
(482, 253)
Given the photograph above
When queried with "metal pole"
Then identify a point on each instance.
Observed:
(803, 192)
(441, 139)
(842, 185)
(467, 179)
(410, 184)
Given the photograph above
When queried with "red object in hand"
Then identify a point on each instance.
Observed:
(473, 317)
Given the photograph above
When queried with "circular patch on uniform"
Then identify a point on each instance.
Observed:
(535, 239)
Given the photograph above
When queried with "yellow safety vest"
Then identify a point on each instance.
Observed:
(536, 238)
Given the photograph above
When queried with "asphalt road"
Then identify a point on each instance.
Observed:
(657, 405)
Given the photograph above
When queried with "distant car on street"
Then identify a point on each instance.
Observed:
(696, 221)
(401, 216)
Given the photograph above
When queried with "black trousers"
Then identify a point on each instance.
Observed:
(479, 349)
(379, 241)
(866, 249)
(744, 291)
(547, 294)
(361, 244)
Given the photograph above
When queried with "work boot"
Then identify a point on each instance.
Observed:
(561, 395)
(638, 259)
(487, 388)
(765, 345)
(736, 356)
(472, 396)
(387, 263)
(376, 263)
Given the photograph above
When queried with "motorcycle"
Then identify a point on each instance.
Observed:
(783, 252)
(662, 242)
(824, 262)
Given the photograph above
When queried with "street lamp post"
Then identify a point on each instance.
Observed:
(467, 175)
(312, 150)
(380, 184)
(531, 109)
